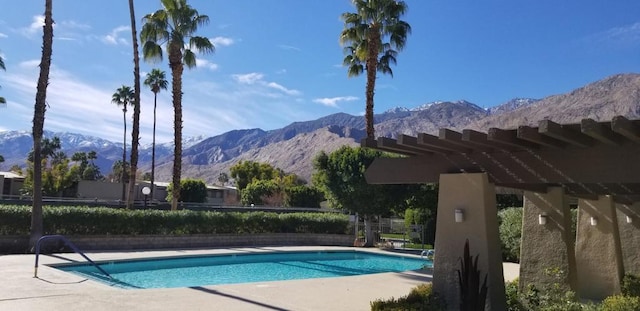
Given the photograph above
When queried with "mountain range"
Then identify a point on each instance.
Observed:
(293, 147)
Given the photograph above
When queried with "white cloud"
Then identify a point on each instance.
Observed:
(628, 35)
(113, 37)
(203, 63)
(248, 78)
(222, 41)
(285, 90)
(2, 35)
(29, 64)
(258, 79)
(333, 101)
(289, 47)
(35, 26)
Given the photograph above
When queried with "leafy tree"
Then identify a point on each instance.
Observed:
(303, 196)
(38, 123)
(372, 37)
(135, 131)
(156, 81)
(123, 97)
(192, 190)
(245, 172)
(261, 192)
(223, 178)
(422, 205)
(86, 169)
(171, 26)
(119, 171)
(2, 100)
(58, 176)
(340, 175)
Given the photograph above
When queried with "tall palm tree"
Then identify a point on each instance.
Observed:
(123, 97)
(135, 131)
(38, 123)
(2, 100)
(156, 80)
(372, 37)
(172, 26)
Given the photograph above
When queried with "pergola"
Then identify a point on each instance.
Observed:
(596, 162)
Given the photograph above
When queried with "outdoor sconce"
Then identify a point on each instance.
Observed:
(542, 219)
(629, 219)
(459, 213)
(594, 221)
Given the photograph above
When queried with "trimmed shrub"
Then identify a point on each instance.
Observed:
(421, 297)
(621, 303)
(191, 190)
(510, 233)
(16, 220)
(303, 196)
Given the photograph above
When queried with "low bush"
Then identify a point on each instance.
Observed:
(510, 233)
(620, 303)
(420, 298)
(630, 285)
(16, 220)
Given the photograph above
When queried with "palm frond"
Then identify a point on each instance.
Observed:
(189, 58)
(2, 100)
(152, 51)
(2, 64)
(202, 44)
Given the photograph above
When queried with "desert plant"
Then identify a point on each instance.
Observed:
(421, 297)
(472, 294)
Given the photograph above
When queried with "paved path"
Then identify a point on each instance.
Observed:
(57, 290)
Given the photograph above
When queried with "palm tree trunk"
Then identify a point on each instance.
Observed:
(38, 125)
(135, 131)
(372, 67)
(153, 145)
(175, 62)
(123, 170)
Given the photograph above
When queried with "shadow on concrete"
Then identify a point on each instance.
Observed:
(34, 297)
(422, 275)
(51, 282)
(257, 303)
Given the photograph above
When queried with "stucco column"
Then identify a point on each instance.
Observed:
(598, 251)
(629, 228)
(547, 253)
(1, 185)
(476, 199)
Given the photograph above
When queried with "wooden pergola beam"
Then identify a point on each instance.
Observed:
(626, 128)
(509, 138)
(557, 131)
(391, 145)
(600, 132)
(413, 142)
(531, 134)
(483, 140)
(435, 141)
(455, 138)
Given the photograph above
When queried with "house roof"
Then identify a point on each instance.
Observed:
(11, 175)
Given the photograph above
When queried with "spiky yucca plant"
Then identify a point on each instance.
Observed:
(472, 294)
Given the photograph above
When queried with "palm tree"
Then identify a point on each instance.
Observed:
(135, 131)
(156, 81)
(172, 26)
(38, 123)
(123, 97)
(2, 100)
(365, 36)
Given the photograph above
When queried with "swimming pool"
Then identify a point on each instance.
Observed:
(242, 268)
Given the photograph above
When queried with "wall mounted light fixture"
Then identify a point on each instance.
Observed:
(459, 215)
(542, 219)
(594, 221)
(629, 219)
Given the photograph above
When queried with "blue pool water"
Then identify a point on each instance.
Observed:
(243, 268)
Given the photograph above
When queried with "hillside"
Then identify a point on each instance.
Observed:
(293, 147)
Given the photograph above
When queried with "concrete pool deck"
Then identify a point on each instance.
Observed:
(58, 290)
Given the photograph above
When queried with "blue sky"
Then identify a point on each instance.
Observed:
(279, 61)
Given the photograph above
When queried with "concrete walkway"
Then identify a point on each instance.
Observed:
(58, 290)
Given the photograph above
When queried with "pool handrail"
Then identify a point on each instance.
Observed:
(67, 243)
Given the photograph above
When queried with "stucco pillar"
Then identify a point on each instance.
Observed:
(1, 185)
(476, 199)
(629, 228)
(598, 251)
(547, 253)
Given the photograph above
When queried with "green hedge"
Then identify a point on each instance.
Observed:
(15, 220)
(421, 297)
